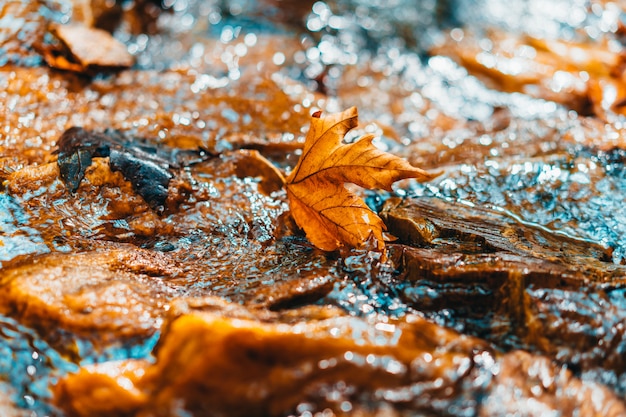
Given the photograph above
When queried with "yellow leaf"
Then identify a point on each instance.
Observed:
(329, 213)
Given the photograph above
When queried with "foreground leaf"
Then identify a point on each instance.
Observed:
(329, 213)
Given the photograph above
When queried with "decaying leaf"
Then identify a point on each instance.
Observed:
(250, 163)
(329, 213)
(149, 169)
(86, 49)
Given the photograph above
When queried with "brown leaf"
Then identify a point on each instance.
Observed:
(87, 49)
(250, 163)
(329, 213)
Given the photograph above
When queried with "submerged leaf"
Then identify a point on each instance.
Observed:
(330, 214)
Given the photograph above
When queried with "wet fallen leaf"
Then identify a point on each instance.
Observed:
(250, 163)
(329, 213)
(149, 169)
(87, 49)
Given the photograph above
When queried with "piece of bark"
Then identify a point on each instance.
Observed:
(517, 285)
(456, 227)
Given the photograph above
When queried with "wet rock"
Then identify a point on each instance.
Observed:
(105, 205)
(107, 295)
(337, 361)
(581, 325)
(116, 393)
(340, 364)
(304, 290)
(532, 386)
(250, 112)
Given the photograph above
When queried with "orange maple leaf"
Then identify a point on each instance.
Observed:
(330, 214)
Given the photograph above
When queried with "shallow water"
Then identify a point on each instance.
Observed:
(231, 75)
